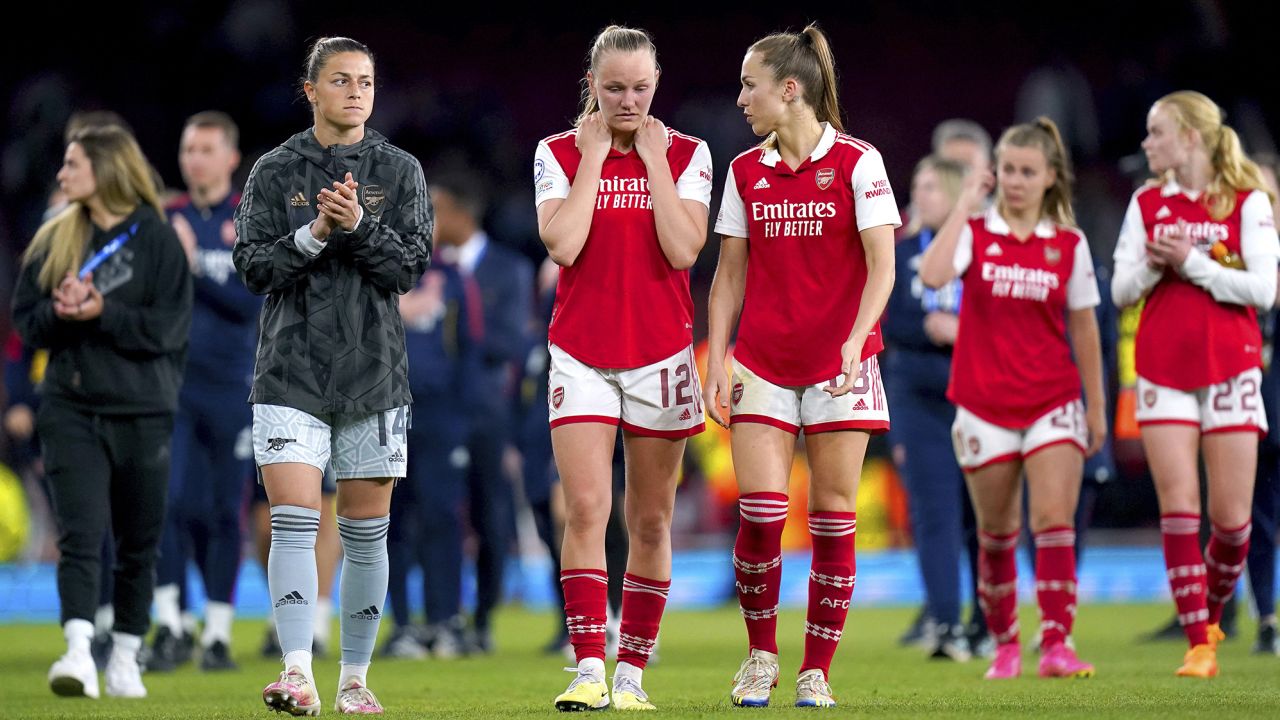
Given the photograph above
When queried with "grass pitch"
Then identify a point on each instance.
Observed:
(699, 652)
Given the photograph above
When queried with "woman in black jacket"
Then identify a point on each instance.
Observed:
(105, 287)
(333, 226)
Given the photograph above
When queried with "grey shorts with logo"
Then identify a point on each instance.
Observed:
(355, 445)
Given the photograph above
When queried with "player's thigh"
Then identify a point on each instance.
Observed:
(291, 449)
(584, 457)
(1230, 460)
(764, 425)
(835, 464)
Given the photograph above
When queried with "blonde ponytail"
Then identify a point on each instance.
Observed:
(1233, 171)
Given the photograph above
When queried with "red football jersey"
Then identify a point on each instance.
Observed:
(622, 305)
(806, 267)
(1186, 339)
(1012, 362)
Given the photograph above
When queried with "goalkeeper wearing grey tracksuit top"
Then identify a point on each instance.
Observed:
(332, 227)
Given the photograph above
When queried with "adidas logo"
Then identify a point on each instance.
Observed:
(292, 598)
(277, 444)
(1163, 213)
(860, 405)
(298, 200)
(396, 457)
(369, 613)
(993, 250)
(761, 184)
(686, 415)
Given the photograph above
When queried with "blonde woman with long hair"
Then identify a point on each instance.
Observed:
(104, 286)
(1199, 245)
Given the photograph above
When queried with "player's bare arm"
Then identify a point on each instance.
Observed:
(1086, 345)
(937, 265)
(727, 290)
(682, 224)
(564, 224)
(878, 244)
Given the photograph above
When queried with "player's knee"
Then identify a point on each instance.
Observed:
(650, 529)
(585, 514)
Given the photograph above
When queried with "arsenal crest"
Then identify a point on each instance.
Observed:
(1052, 254)
(737, 393)
(1149, 397)
(372, 197)
(974, 446)
(557, 397)
(825, 177)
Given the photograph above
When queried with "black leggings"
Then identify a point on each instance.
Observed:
(106, 471)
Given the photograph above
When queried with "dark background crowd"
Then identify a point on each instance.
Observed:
(470, 91)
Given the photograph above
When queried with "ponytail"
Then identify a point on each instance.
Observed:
(807, 57)
(1233, 171)
(826, 103)
(1043, 134)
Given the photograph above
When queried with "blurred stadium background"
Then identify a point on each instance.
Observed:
(464, 87)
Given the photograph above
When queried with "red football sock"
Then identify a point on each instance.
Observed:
(831, 579)
(1181, 533)
(998, 584)
(757, 565)
(1224, 559)
(643, 601)
(586, 596)
(1056, 583)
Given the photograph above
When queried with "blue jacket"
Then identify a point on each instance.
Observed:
(224, 318)
(505, 279)
(444, 355)
(913, 360)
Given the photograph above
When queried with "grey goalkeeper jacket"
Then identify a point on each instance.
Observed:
(330, 339)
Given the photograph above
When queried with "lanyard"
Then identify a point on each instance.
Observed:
(107, 251)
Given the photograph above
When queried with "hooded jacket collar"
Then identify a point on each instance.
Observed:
(306, 145)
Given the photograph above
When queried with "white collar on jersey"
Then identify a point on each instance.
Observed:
(825, 143)
(997, 225)
(1171, 188)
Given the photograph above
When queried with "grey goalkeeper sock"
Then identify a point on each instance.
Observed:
(291, 574)
(363, 590)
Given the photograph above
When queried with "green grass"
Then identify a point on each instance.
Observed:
(700, 651)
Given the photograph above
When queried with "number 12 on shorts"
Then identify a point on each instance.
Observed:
(682, 390)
